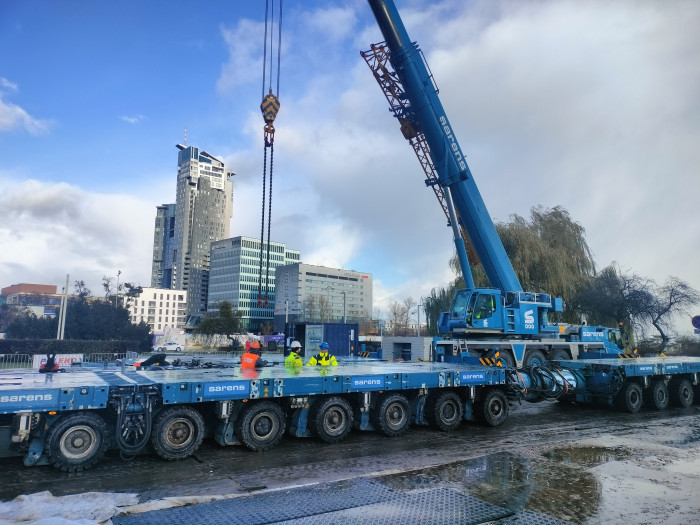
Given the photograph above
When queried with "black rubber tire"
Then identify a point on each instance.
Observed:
(630, 398)
(161, 349)
(178, 432)
(656, 395)
(680, 391)
(507, 359)
(444, 410)
(558, 354)
(260, 425)
(534, 357)
(392, 415)
(492, 407)
(331, 419)
(76, 441)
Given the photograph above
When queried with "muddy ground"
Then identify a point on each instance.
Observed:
(585, 465)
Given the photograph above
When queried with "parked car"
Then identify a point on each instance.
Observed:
(170, 346)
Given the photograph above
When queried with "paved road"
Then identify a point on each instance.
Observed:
(578, 464)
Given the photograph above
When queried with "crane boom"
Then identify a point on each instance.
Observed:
(428, 116)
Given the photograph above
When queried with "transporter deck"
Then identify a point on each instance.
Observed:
(83, 389)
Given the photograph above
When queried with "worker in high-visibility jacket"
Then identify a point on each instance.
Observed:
(294, 357)
(323, 358)
(252, 359)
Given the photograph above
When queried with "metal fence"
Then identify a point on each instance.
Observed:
(10, 361)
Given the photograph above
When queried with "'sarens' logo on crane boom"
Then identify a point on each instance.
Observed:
(453, 144)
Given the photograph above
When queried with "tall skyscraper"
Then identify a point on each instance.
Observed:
(235, 277)
(163, 238)
(184, 232)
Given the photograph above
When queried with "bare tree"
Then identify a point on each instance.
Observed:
(310, 307)
(615, 296)
(82, 291)
(409, 306)
(673, 298)
(396, 317)
(325, 309)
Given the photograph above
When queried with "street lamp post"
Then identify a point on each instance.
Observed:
(418, 313)
(329, 306)
(344, 317)
(116, 298)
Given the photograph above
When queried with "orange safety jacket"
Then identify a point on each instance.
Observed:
(249, 360)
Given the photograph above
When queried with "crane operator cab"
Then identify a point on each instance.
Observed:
(479, 309)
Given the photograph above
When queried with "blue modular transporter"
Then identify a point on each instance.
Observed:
(70, 419)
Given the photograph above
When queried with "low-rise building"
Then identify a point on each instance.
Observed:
(306, 292)
(159, 308)
(42, 299)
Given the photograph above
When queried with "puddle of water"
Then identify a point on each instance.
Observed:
(587, 456)
(564, 491)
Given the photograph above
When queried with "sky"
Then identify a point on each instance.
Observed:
(592, 106)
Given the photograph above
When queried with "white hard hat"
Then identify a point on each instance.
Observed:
(295, 344)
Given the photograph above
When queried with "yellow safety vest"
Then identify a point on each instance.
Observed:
(322, 360)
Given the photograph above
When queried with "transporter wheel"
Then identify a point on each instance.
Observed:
(260, 425)
(629, 398)
(656, 396)
(534, 357)
(177, 432)
(492, 408)
(76, 442)
(558, 354)
(681, 392)
(392, 415)
(444, 410)
(331, 419)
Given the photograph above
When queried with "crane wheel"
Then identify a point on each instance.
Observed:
(392, 415)
(558, 354)
(331, 419)
(177, 432)
(534, 357)
(77, 441)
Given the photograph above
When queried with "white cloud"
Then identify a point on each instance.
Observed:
(135, 119)
(245, 55)
(50, 230)
(13, 117)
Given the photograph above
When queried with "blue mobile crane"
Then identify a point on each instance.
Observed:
(502, 319)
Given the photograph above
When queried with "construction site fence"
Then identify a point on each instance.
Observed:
(10, 361)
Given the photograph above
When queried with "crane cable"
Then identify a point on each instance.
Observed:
(270, 107)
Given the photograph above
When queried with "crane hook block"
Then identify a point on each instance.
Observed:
(269, 107)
